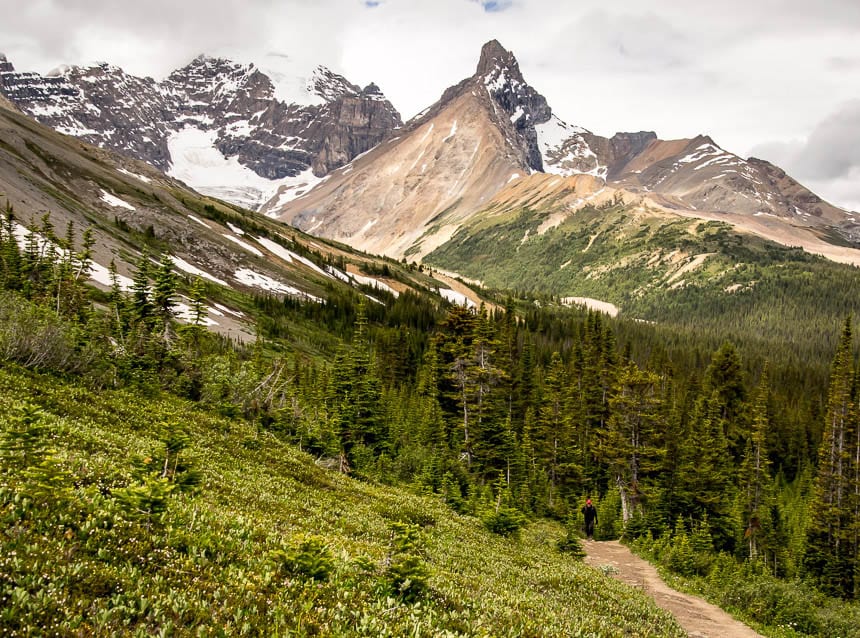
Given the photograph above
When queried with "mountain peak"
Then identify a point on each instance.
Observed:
(495, 56)
(5, 65)
(330, 85)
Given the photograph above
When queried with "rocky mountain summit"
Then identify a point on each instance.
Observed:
(224, 128)
(469, 150)
(521, 105)
(450, 159)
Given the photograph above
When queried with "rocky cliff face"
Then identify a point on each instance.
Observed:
(499, 72)
(695, 174)
(211, 106)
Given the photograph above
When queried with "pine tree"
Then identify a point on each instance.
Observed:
(163, 292)
(119, 313)
(706, 476)
(553, 438)
(631, 445)
(490, 410)
(142, 305)
(357, 396)
(755, 481)
(10, 252)
(724, 381)
(830, 552)
(457, 357)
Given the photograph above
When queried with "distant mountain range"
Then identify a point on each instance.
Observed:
(492, 131)
(487, 183)
(226, 129)
(335, 160)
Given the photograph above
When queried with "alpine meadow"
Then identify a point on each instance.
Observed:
(276, 361)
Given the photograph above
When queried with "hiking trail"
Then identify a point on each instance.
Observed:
(700, 619)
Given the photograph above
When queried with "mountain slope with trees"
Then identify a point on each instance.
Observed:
(141, 452)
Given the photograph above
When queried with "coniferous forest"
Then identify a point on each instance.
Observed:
(735, 466)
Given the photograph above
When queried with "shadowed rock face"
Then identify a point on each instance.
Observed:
(137, 116)
(499, 72)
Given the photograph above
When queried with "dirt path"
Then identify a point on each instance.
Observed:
(699, 618)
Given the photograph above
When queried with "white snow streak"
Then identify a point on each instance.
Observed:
(457, 298)
(115, 201)
(199, 221)
(194, 270)
(142, 178)
(243, 244)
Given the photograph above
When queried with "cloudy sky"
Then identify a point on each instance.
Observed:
(779, 79)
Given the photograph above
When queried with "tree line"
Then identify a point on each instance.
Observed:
(528, 409)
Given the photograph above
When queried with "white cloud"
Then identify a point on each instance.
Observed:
(828, 160)
(746, 73)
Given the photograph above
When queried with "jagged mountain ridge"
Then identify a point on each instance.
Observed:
(217, 125)
(697, 172)
(387, 203)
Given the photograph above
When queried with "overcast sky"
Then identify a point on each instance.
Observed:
(779, 79)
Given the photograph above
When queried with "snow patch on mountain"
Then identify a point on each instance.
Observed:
(191, 269)
(229, 311)
(553, 133)
(196, 161)
(142, 178)
(290, 188)
(452, 133)
(184, 312)
(101, 274)
(116, 202)
(289, 256)
(564, 150)
(199, 221)
(264, 282)
(370, 281)
(243, 244)
(457, 298)
(293, 85)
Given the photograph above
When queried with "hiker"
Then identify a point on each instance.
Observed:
(590, 514)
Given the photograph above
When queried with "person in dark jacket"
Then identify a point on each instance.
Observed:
(590, 514)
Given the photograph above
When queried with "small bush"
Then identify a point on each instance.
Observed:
(309, 558)
(507, 521)
(406, 574)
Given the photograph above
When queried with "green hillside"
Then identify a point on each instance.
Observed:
(373, 460)
(266, 543)
(670, 270)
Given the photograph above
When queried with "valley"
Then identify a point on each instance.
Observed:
(275, 362)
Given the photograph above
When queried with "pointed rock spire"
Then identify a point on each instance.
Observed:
(495, 56)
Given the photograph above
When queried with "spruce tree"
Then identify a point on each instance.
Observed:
(830, 551)
(724, 381)
(163, 293)
(553, 438)
(705, 484)
(357, 395)
(631, 445)
(10, 252)
(755, 481)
